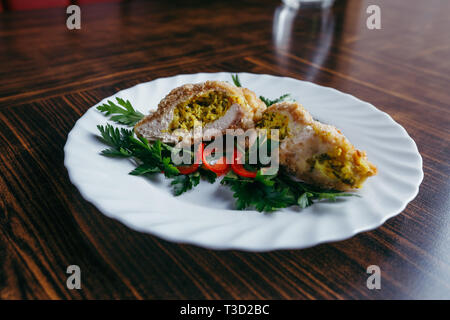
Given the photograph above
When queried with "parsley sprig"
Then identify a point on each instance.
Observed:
(305, 194)
(284, 97)
(183, 183)
(261, 193)
(123, 113)
(236, 81)
(272, 192)
(151, 158)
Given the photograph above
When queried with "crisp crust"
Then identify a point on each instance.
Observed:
(255, 103)
(188, 91)
(251, 106)
(309, 138)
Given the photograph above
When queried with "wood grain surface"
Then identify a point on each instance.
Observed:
(49, 76)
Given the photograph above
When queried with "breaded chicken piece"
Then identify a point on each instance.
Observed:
(213, 106)
(315, 152)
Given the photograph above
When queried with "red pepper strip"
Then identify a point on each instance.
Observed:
(239, 168)
(188, 169)
(220, 167)
(193, 167)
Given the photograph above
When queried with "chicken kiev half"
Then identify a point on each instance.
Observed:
(316, 153)
(212, 106)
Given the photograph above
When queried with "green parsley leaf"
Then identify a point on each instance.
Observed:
(305, 200)
(306, 194)
(236, 81)
(266, 180)
(284, 97)
(144, 169)
(169, 169)
(151, 156)
(117, 139)
(123, 113)
(208, 175)
(258, 194)
(333, 196)
(185, 182)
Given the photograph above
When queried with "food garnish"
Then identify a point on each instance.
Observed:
(123, 113)
(251, 187)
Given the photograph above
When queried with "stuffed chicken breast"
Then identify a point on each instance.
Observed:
(212, 107)
(315, 152)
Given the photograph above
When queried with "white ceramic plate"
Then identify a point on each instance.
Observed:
(205, 216)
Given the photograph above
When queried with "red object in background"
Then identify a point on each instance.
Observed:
(35, 4)
(95, 1)
(40, 4)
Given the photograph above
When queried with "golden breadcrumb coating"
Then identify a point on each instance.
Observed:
(189, 103)
(317, 153)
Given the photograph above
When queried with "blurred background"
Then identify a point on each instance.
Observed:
(284, 34)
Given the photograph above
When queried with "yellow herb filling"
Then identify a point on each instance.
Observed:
(349, 169)
(200, 110)
(273, 120)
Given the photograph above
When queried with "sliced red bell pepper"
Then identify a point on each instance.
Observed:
(219, 167)
(239, 168)
(187, 169)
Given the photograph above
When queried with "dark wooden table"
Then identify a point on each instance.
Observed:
(49, 76)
